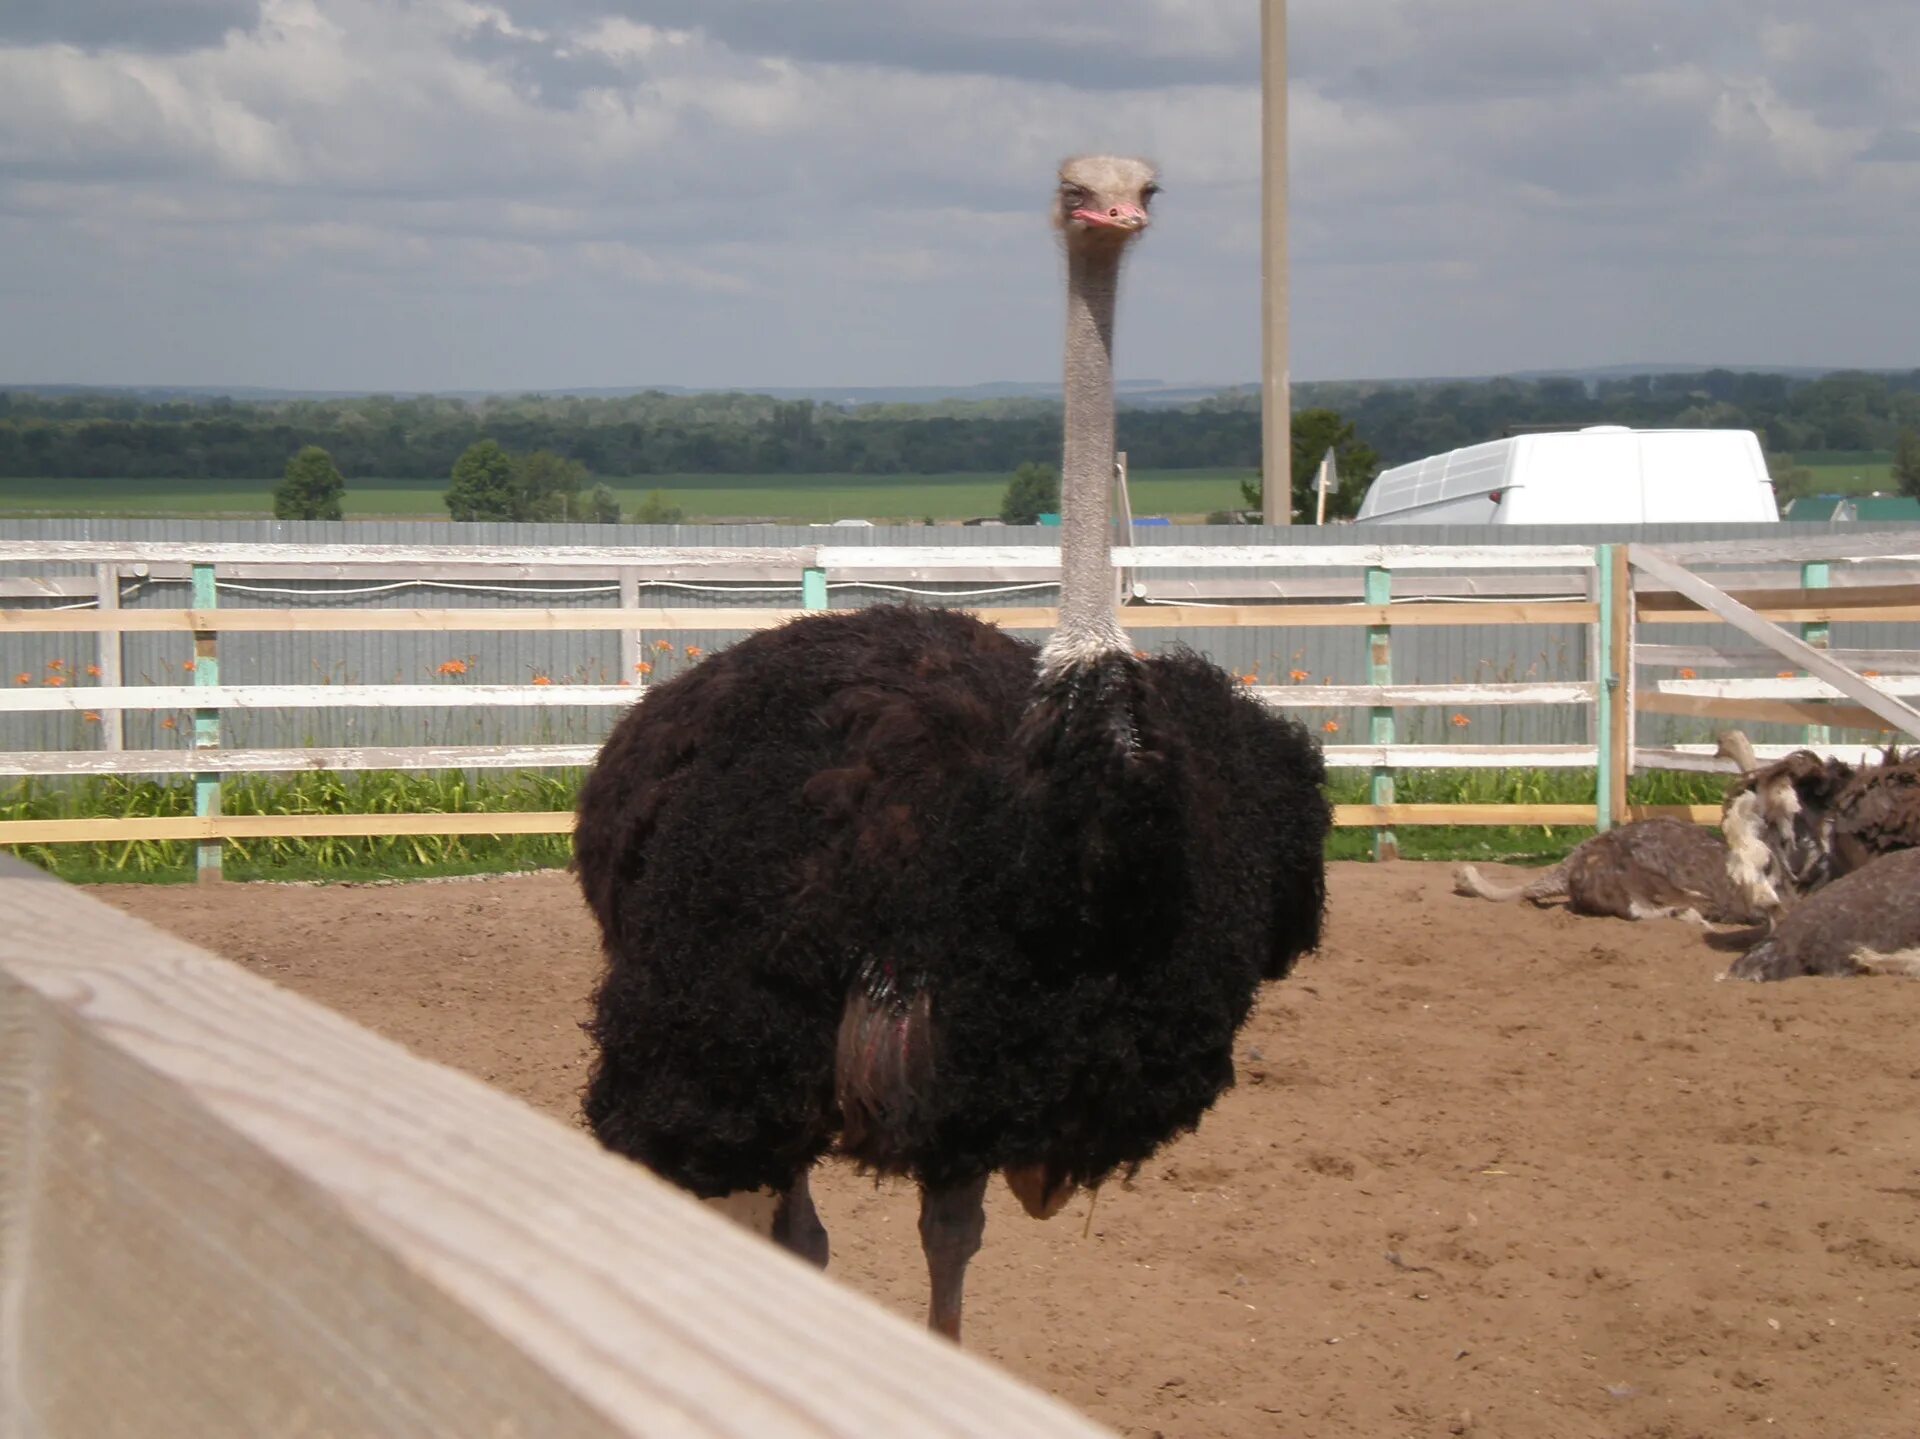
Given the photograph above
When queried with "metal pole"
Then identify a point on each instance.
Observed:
(208, 854)
(1276, 418)
(1816, 575)
(1380, 727)
(1605, 664)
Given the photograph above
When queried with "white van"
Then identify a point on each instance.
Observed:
(1606, 475)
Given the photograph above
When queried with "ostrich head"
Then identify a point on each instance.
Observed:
(1104, 199)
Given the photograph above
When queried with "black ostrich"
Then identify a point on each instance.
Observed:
(893, 883)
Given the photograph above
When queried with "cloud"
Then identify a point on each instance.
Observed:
(148, 25)
(524, 192)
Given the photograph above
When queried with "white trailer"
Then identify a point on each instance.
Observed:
(1607, 474)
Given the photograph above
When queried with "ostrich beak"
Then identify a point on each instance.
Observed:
(1115, 217)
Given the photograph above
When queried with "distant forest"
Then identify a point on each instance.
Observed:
(104, 434)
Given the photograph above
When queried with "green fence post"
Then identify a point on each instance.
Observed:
(1380, 725)
(813, 589)
(1605, 677)
(208, 853)
(1816, 575)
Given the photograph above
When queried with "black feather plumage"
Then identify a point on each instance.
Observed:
(1069, 889)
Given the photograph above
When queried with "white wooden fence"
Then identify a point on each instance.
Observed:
(1613, 590)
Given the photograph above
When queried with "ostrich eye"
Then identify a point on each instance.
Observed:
(1073, 197)
(1147, 194)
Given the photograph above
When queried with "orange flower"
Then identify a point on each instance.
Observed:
(23, 679)
(56, 665)
(90, 717)
(1249, 679)
(1139, 654)
(55, 681)
(1784, 675)
(663, 647)
(694, 652)
(1331, 726)
(1688, 675)
(1871, 674)
(189, 666)
(643, 668)
(541, 680)
(169, 723)
(453, 667)
(94, 671)
(1299, 677)
(1459, 721)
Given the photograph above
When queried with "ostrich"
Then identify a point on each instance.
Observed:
(1801, 822)
(894, 884)
(1649, 869)
(1865, 922)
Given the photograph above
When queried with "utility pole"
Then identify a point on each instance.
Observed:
(1276, 389)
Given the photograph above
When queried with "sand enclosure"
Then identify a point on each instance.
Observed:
(1489, 1170)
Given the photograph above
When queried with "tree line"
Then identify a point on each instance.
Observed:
(106, 434)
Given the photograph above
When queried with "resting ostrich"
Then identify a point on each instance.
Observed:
(895, 884)
(1865, 922)
(1649, 869)
(1800, 822)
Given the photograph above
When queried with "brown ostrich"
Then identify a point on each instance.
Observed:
(893, 884)
(1802, 821)
(1865, 922)
(1649, 869)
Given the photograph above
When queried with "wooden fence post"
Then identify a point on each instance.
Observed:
(813, 589)
(110, 651)
(208, 855)
(1380, 725)
(1620, 694)
(630, 640)
(1816, 575)
(1606, 676)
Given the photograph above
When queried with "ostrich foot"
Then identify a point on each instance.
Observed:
(797, 1226)
(952, 1219)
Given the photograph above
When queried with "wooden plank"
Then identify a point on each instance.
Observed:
(1883, 542)
(1798, 597)
(281, 826)
(290, 761)
(1782, 687)
(790, 559)
(1442, 756)
(228, 1212)
(1706, 759)
(1661, 566)
(1823, 613)
(840, 560)
(1303, 696)
(1510, 612)
(242, 697)
(1761, 711)
(1373, 816)
(1720, 657)
(329, 620)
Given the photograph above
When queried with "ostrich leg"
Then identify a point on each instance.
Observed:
(952, 1220)
(797, 1226)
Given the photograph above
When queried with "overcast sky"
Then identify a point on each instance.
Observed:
(420, 194)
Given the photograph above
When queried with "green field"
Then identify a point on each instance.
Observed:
(1189, 494)
(1836, 473)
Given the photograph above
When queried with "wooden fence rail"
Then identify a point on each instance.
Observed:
(228, 1212)
(1613, 590)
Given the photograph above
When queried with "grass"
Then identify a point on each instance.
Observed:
(426, 856)
(1841, 473)
(793, 498)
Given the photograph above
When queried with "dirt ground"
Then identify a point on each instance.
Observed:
(1488, 1171)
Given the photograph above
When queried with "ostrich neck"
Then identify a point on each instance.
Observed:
(1088, 627)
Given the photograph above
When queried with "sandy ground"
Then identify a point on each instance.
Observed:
(1488, 1171)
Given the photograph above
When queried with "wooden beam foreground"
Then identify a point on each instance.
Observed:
(228, 1212)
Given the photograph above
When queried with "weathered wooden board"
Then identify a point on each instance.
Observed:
(1802, 655)
(1706, 759)
(1761, 711)
(281, 826)
(288, 761)
(226, 1212)
(1306, 696)
(263, 697)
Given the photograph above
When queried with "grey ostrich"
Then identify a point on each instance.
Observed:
(893, 884)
